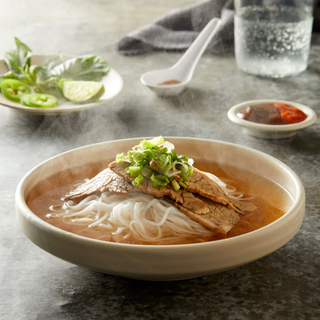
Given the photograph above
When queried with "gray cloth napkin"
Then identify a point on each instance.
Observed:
(179, 28)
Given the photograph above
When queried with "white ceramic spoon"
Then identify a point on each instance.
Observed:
(182, 71)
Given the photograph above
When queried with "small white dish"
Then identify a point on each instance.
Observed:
(183, 70)
(267, 131)
(112, 81)
(164, 262)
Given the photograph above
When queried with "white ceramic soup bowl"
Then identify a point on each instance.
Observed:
(164, 262)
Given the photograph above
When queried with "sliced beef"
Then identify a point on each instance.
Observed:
(105, 180)
(201, 184)
(204, 201)
(243, 206)
(180, 196)
(220, 218)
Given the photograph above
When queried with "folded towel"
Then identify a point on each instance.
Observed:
(179, 28)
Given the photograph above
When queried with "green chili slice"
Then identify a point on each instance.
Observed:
(39, 100)
(14, 89)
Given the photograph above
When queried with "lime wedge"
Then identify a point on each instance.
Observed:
(82, 91)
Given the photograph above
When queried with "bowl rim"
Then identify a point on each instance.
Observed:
(311, 117)
(20, 201)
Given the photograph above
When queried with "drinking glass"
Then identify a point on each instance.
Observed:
(272, 37)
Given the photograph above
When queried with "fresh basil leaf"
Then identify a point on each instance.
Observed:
(47, 86)
(8, 75)
(85, 68)
(43, 81)
(53, 62)
(39, 73)
(18, 60)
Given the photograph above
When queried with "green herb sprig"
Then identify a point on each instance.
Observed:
(48, 77)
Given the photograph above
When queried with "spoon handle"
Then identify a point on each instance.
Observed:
(189, 60)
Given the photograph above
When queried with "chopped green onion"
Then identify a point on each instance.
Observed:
(184, 158)
(134, 171)
(174, 155)
(146, 171)
(120, 157)
(139, 179)
(163, 155)
(183, 185)
(155, 142)
(184, 176)
(175, 185)
(138, 156)
(159, 181)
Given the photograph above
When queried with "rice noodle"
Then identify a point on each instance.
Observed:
(136, 215)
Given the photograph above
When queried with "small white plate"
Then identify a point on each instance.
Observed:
(112, 81)
(268, 131)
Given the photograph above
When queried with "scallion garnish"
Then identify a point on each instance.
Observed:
(138, 180)
(183, 185)
(157, 160)
(175, 185)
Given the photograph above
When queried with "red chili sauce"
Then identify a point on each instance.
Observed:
(169, 82)
(272, 113)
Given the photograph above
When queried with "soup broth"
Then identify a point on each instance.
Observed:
(271, 200)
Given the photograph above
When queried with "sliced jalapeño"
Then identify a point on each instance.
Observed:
(39, 100)
(14, 89)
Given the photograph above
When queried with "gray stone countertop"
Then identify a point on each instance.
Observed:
(36, 285)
